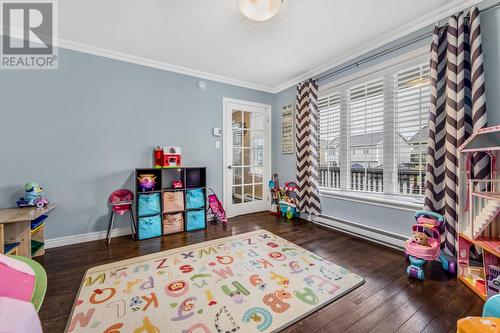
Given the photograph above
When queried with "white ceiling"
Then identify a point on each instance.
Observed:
(213, 37)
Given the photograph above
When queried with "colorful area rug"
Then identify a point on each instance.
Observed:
(253, 282)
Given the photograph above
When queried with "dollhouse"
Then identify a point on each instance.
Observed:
(479, 218)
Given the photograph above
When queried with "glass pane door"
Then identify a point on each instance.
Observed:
(248, 161)
(248, 156)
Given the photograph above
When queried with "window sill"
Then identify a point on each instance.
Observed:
(377, 199)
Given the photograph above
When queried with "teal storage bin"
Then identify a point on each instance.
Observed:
(149, 204)
(149, 227)
(195, 219)
(195, 198)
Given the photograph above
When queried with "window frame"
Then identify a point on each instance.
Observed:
(342, 86)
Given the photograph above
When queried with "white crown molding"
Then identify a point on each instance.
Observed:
(82, 238)
(431, 18)
(98, 51)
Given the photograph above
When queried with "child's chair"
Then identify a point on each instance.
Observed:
(121, 203)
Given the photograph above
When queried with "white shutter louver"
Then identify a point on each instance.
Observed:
(381, 144)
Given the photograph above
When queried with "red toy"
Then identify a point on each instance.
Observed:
(167, 157)
(177, 184)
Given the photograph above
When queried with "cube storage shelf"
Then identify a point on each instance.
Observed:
(165, 210)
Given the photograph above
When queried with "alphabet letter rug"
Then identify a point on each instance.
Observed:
(253, 282)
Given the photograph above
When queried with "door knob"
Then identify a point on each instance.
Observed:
(229, 166)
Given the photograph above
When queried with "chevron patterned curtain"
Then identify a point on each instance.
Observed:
(307, 147)
(458, 107)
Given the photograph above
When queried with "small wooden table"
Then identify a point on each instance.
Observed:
(15, 227)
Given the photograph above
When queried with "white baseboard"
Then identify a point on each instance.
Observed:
(91, 236)
(376, 235)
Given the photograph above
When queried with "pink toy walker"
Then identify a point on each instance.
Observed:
(215, 206)
(428, 223)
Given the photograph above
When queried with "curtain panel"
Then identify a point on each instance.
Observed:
(307, 140)
(457, 108)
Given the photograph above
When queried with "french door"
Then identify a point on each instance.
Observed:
(247, 156)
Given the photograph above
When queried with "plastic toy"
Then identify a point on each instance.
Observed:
(478, 213)
(121, 203)
(177, 184)
(488, 323)
(147, 182)
(215, 208)
(167, 157)
(420, 251)
(33, 196)
(289, 201)
(23, 279)
(277, 193)
(493, 278)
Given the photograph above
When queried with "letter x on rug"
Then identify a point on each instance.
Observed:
(252, 282)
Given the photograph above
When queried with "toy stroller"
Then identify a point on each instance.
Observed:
(421, 248)
(216, 209)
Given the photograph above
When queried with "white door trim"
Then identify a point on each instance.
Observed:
(267, 150)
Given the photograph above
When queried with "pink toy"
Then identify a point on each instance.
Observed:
(215, 206)
(17, 279)
(18, 316)
(425, 245)
(121, 203)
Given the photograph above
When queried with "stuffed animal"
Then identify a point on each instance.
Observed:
(421, 239)
(33, 196)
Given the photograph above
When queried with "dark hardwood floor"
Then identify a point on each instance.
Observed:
(389, 301)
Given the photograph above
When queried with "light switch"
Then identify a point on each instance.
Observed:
(217, 144)
(217, 131)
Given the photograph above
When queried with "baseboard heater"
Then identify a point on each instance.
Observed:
(379, 236)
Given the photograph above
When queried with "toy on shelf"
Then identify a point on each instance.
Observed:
(216, 209)
(33, 196)
(425, 245)
(167, 157)
(177, 184)
(478, 215)
(146, 182)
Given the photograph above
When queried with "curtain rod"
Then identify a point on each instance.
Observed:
(387, 51)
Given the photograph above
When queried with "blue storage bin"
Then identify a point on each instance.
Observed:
(149, 204)
(195, 219)
(195, 198)
(149, 227)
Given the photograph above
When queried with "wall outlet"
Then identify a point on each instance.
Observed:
(217, 144)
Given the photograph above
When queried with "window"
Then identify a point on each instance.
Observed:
(382, 147)
(329, 128)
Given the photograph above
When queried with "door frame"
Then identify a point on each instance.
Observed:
(226, 196)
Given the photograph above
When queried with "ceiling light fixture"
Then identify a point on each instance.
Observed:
(260, 10)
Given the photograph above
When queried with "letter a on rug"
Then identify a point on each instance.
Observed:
(263, 284)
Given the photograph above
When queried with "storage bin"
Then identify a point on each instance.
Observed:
(149, 227)
(149, 204)
(195, 198)
(173, 201)
(195, 219)
(173, 223)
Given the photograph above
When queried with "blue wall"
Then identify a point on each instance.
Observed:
(81, 130)
(387, 219)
